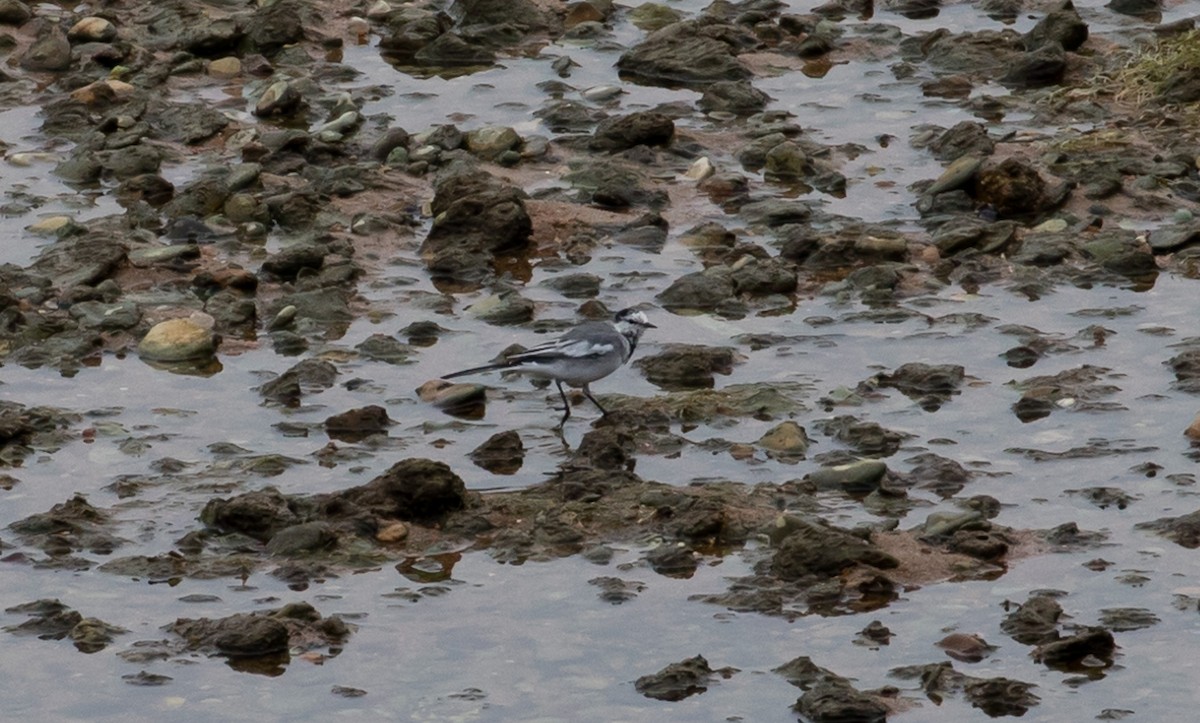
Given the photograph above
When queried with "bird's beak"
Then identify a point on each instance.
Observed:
(648, 325)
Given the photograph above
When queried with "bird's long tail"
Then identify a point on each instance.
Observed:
(479, 370)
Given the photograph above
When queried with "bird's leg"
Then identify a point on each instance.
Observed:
(588, 393)
(566, 404)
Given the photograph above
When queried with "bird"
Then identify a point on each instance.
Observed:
(588, 352)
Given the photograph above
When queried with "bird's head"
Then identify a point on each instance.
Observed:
(631, 323)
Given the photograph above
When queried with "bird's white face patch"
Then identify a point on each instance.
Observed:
(638, 317)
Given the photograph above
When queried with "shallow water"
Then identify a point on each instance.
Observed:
(535, 642)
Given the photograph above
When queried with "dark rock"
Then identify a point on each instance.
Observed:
(1035, 622)
(691, 52)
(831, 702)
(869, 438)
(817, 550)
(701, 290)
(1012, 188)
(965, 139)
(1038, 68)
(239, 635)
(614, 590)
(258, 514)
(687, 366)
(983, 544)
(575, 286)
(679, 680)
(67, 527)
(502, 453)
(291, 261)
(1068, 652)
(475, 217)
(1061, 25)
(733, 96)
(1000, 696)
(931, 385)
(1183, 530)
(612, 184)
(384, 348)
(92, 635)
(643, 128)
(278, 24)
(304, 538)
(1145, 9)
(50, 50)
(391, 140)
(307, 377)
(412, 489)
(14, 12)
(450, 50)
(48, 619)
(761, 276)
(358, 424)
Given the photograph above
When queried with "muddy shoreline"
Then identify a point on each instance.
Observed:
(298, 207)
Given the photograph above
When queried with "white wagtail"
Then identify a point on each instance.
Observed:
(590, 351)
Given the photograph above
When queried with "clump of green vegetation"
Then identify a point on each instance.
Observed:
(1161, 70)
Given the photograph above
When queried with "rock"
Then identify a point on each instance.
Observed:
(832, 702)
(678, 680)
(177, 340)
(412, 489)
(1183, 530)
(105, 316)
(1068, 653)
(459, 399)
(384, 348)
(450, 50)
(288, 263)
(1038, 68)
(965, 647)
(690, 53)
(1000, 696)
(259, 514)
(700, 290)
(14, 12)
(643, 128)
(274, 25)
(358, 424)
(930, 385)
(786, 441)
(687, 366)
(857, 478)
(1061, 25)
(502, 453)
(491, 141)
(785, 162)
(280, 98)
(1034, 622)
(755, 276)
(502, 309)
(307, 377)
(92, 29)
(227, 67)
(476, 217)
(732, 96)
(812, 549)
(239, 635)
(651, 16)
(700, 169)
(50, 51)
(1012, 188)
(304, 538)
(575, 286)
